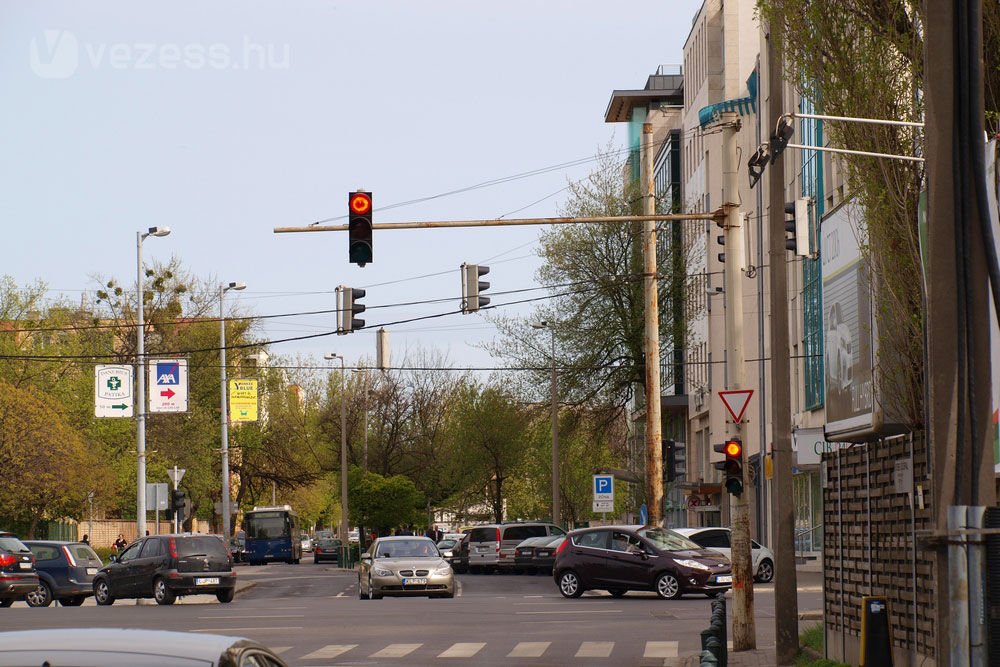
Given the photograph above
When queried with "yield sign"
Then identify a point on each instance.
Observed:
(736, 402)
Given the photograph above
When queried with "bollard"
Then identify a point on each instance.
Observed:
(708, 660)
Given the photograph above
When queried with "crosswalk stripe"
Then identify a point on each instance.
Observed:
(595, 649)
(661, 650)
(396, 651)
(280, 649)
(529, 650)
(329, 651)
(463, 650)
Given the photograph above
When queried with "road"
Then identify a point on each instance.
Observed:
(312, 615)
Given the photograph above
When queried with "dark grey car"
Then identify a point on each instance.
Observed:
(17, 570)
(65, 572)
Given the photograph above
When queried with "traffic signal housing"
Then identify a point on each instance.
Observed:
(177, 498)
(348, 305)
(797, 224)
(359, 227)
(674, 464)
(472, 287)
(732, 466)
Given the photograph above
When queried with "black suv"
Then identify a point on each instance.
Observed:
(65, 571)
(165, 566)
(17, 570)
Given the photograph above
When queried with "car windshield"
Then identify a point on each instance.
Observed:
(446, 544)
(209, 545)
(328, 542)
(12, 544)
(668, 540)
(406, 549)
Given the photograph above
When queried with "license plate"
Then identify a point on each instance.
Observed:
(542, 553)
(206, 581)
(91, 571)
(414, 582)
(724, 579)
(25, 566)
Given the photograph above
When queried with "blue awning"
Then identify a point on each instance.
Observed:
(743, 106)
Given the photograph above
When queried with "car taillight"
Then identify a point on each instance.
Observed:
(498, 540)
(318, 550)
(172, 546)
(7, 559)
(69, 556)
(562, 546)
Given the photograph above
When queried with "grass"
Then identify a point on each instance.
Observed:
(813, 639)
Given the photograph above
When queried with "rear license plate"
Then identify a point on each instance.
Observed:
(91, 571)
(25, 566)
(206, 581)
(541, 553)
(415, 582)
(724, 579)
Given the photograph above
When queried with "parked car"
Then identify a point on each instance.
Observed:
(65, 572)
(354, 536)
(491, 547)
(629, 558)
(524, 553)
(165, 566)
(326, 549)
(306, 542)
(404, 566)
(120, 647)
(718, 539)
(17, 569)
(545, 555)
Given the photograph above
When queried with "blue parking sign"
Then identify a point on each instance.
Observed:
(604, 487)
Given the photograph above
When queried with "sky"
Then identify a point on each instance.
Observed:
(225, 120)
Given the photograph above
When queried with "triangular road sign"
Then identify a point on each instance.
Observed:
(736, 402)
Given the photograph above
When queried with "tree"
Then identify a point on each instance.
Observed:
(381, 502)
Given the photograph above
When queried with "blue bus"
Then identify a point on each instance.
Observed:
(272, 534)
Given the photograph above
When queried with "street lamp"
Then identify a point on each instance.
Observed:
(226, 519)
(140, 522)
(344, 524)
(555, 424)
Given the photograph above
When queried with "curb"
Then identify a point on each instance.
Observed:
(811, 615)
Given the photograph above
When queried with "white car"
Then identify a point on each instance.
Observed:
(717, 539)
(307, 543)
(353, 536)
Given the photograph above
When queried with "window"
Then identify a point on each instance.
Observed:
(625, 542)
(208, 545)
(45, 552)
(596, 540)
(521, 533)
(555, 530)
(483, 535)
(812, 288)
(151, 548)
(130, 553)
(713, 539)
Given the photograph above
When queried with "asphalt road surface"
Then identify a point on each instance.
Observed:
(312, 616)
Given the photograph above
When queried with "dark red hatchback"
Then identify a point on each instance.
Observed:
(619, 559)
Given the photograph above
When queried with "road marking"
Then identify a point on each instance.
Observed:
(273, 627)
(396, 651)
(588, 611)
(595, 650)
(459, 586)
(463, 650)
(661, 650)
(534, 596)
(329, 651)
(340, 595)
(529, 650)
(280, 649)
(261, 616)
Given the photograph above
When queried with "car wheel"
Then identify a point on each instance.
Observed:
(102, 593)
(361, 591)
(162, 593)
(225, 595)
(667, 586)
(765, 573)
(617, 592)
(73, 602)
(40, 597)
(372, 595)
(569, 584)
(6, 602)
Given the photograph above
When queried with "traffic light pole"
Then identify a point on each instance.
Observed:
(744, 628)
(177, 512)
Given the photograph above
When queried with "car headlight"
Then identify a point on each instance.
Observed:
(381, 572)
(693, 564)
(443, 571)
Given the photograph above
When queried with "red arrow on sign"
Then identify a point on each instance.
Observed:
(739, 398)
(169, 393)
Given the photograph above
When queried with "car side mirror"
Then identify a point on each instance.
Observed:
(366, 558)
(113, 558)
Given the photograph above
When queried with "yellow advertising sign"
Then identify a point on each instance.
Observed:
(242, 400)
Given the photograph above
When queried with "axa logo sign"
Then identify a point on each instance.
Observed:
(168, 372)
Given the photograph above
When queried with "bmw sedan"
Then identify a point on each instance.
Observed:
(404, 566)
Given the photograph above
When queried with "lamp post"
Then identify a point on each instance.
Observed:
(226, 519)
(140, 519)
(344, 523)
(364, 374)
(556, 518)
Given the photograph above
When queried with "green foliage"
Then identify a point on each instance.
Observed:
(381, 502)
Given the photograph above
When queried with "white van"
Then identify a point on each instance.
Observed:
(491, 547)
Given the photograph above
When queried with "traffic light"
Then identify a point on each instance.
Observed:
(733, 465)
(721, 240)
(472, 286)
(359, 227)
(348, 305)
(674, 460)
(177, 498)
(797, 224)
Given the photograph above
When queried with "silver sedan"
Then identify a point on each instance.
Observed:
(404, 566)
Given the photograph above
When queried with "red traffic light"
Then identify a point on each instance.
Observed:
(360, 203)
(733, 448)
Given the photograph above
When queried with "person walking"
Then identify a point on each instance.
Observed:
(86, 539)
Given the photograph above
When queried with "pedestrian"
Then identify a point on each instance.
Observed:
(120, 543)
(86, 539)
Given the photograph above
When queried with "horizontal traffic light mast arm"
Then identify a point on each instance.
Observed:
(827, 149)
(852, 119)
(431, 224)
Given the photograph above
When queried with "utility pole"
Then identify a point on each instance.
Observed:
(782, 508)
(651, 336)
(744, 625)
